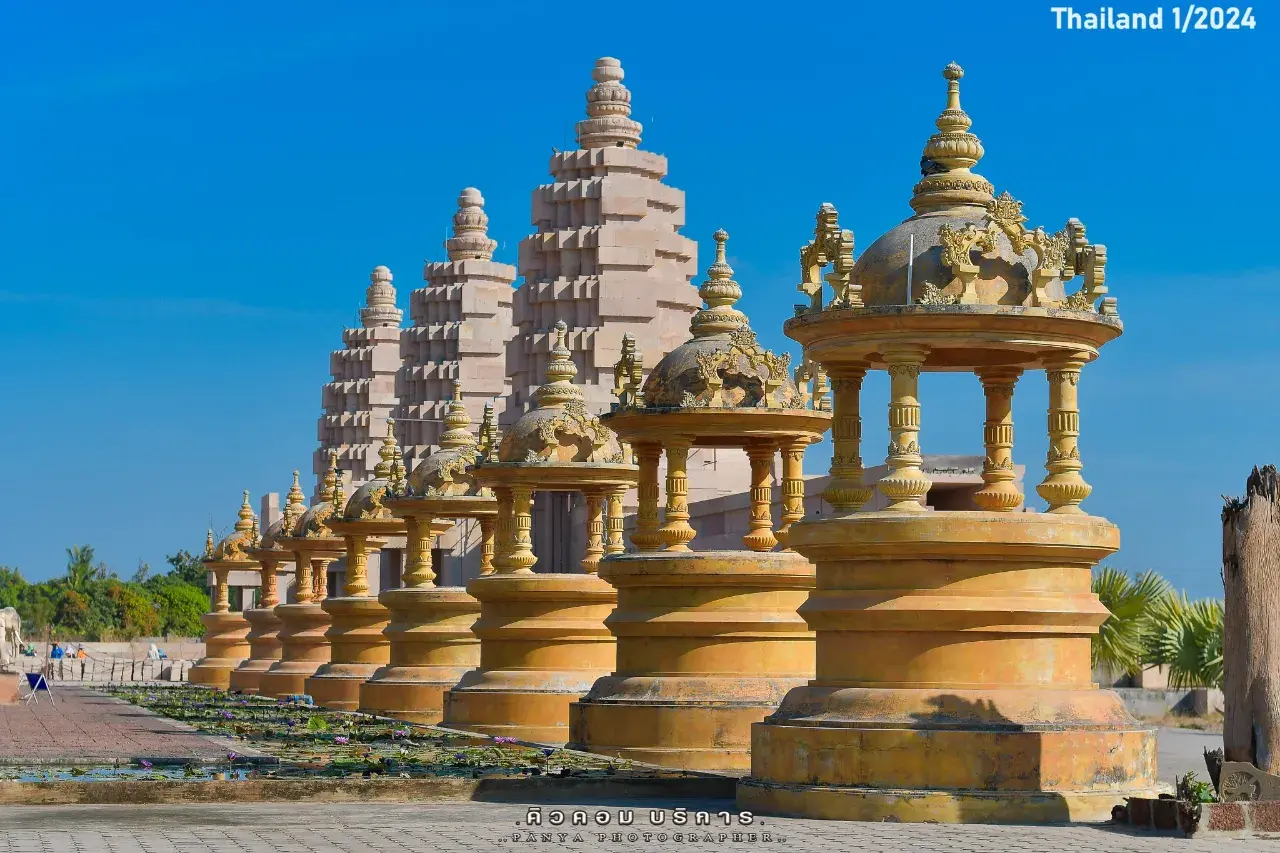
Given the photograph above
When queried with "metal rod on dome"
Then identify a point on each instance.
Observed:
(911, 259)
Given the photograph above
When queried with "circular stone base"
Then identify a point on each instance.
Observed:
(337, 685)
(247, 677)
(212, 672)
(286, 679)
(524, 714)
(357, 649)
(303, 649)
(414, 694)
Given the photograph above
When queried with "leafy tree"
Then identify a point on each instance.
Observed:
(187, 567)
(137, 611)
(1186, 636)
(12, 583)
(1119, 644)
(80, 569)
(181, 606)
(144, 570)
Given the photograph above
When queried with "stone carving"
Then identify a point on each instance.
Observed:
(628, 375)
(830, 246)
(10, 636)
(931, 294)
(1242, 782)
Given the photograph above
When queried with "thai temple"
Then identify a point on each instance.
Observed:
(566, 504)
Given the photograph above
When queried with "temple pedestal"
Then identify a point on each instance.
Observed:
(709, 642)
(358, 649)
(304, 648)
(953, 677)
(543, 643)
(226, 645)
(432, 647)
(264, 649)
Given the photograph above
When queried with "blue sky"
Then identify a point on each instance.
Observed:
(192, 196)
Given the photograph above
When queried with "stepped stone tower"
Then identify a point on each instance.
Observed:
(362, 394)
(461, 325)
(607, 256)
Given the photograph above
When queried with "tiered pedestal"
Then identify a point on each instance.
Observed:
(226, 645)
(358, 650)
(953, 677)
(264, 649)
(543, 643)
(432, 647)
(709, 642)
(304, 648)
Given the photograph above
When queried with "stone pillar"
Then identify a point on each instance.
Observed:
(487, 525)
(676, 532)
(356, 581)
(222, 597)
(792, 450)
(504, 536)
(904, 484)
(302, 583)
(264, 631)
(417, 572)
(759, 535)
(999, 494)
(522, 558)
(846, 491)
(647, 536)
(595, 530)
(320, 579)
(303, 645)
(614, 522)
(1063, 489)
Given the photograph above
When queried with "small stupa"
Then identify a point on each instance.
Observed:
(432, 645)
(708, 641)
(264, 625)
(226, 632)
(304, 646)
(543, 641)
(953, 678)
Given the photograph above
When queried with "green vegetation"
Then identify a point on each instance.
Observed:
(90, 602)
(1151, 625)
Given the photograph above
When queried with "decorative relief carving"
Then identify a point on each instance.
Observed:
(830, 246)
(933, 295)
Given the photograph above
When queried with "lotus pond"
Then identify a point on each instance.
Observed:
(300, 740)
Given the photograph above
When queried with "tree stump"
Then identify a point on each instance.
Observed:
(1251, 617)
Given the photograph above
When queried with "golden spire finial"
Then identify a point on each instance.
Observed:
(559, 388)
(949, 155)
(246, 517)
(459, 422)
(388, 453)
(255, 534)
(489, 438)
(339, 500)
(294, 506)
(208, 545)
(330, 479)
(720, 292)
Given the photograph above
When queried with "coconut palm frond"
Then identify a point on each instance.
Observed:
(1186, 636)
(1119, 644)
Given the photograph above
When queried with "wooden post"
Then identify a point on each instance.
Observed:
(1251, 629)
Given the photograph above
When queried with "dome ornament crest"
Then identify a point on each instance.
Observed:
(831, 246)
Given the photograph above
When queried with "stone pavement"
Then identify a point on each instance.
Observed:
(315, 828)
(86, 727)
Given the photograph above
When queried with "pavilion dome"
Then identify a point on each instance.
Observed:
(449, 472)
(235, 546)
(950, 198)
(560, 429)
(314, 523)
(722, 354)
(284, 526)
(366, 504)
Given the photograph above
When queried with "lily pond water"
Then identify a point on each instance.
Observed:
(295, 739)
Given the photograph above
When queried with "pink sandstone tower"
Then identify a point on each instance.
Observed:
(461, 326)
(607, 256)
(362, 394)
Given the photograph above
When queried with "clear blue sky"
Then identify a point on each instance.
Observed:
(192, 196)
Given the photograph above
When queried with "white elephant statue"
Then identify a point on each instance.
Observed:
(10, 637)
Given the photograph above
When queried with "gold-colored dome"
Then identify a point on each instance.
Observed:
(560, 429)
(244, 537)
(449, 471)
(721, 365)
(284, 526)
(366, 504)
(314, 522)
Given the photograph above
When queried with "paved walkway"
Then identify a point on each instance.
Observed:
(298, 828)
(87, 727)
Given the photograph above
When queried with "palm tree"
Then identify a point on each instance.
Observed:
(80, 568)
(1118, 645)
(1186, 636)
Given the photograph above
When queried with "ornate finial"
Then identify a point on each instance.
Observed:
(720, 292)
(246, 517)
(255, 535)
(628, 375)
(608, 109)
(949, 155)
(330, 479)
(388, 453)
(458, 421)
(294, 506)
(831, 246)
(380, 301)
(559, 388)
(470, 229)
(489, 440)
(339, 500)
(208, 545)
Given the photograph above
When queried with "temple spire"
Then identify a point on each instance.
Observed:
(246, 518)
(608, 123)
(470, 229)
(559, 388)
(458, 421)
(948, 157)
(388, 454)
(720, 292)
(380, 301)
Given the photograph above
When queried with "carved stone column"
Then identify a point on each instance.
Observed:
(303, 591)
(904, 484)
(504, 536)
(356, 582)
(792, 450)
(1063, 489)
(845, 490)
(613, 522)
(487, 525)
(595, 530)
(647, 536)
(522, 558)
(999, 494)
(320, 579)
(760, 527)
(417, 572)
(676, 532)
(222, 598)
(270, 587)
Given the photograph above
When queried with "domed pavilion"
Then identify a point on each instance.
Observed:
(226, 632)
